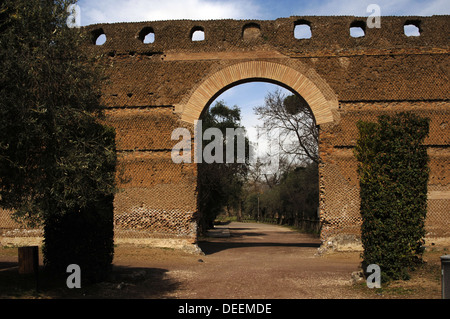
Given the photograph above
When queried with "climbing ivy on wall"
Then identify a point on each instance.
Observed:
(393, 171)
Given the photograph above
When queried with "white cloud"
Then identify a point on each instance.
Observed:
(109, 11)
(388, 7)
(434, 7)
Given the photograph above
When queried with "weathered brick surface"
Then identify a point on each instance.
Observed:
(156, 87)
(142, 128)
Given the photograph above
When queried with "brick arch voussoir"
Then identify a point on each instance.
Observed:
(261, 70)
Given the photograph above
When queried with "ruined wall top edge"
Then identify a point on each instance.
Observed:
(329, 33)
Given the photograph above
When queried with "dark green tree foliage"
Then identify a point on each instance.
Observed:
(299, 194)
(220, 184)
(57, 162)
(393, 171)
(294, 198)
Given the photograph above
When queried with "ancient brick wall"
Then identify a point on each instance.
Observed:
(156, 87)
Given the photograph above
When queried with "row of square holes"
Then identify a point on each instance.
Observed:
(302, 30)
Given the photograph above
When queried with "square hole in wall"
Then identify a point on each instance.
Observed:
(197, 34)
(412, 28)
(302, 30)
(251, 31)
(357, 29)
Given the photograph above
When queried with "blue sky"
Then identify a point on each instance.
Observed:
(247, 95)
(102, 11)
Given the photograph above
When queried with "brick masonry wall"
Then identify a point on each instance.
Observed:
(150, 87)
(339, 180)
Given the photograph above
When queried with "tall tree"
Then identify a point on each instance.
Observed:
(57, 162)
(291, 193)
(220, 183)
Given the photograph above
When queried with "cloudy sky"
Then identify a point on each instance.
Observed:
(248, 95)
(101, 11)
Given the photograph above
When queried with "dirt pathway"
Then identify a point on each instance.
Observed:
(240, 261)
(252, 260)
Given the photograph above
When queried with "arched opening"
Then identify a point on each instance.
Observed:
(98, 37)
(198, 34)
(302, 29)
(147, 35)
(278, 183)
(412, 28)
(317, 93)
(357, 29)
(319, 97)
(251, 31)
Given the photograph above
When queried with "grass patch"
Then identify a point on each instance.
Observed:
(425, 283)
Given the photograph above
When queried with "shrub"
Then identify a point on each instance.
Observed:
(393, 172)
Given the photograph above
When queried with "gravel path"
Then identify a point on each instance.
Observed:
(252, 260)
(240, 261)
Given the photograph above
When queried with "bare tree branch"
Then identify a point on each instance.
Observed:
(292, 116)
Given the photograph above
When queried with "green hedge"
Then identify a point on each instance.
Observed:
(393, 172)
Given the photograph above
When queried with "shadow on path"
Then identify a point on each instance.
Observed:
(209, 247)
(123, 283)
(252, 235)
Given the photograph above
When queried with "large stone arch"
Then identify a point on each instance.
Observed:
(278, 73)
